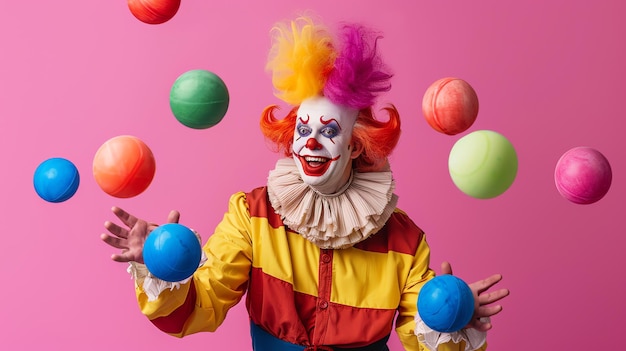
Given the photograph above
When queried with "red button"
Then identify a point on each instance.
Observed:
(325, 258)
(323, 304)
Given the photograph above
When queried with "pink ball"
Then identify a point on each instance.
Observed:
(450, 105)
(583, 175)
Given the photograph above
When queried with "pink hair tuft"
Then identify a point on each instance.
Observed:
(359, 74)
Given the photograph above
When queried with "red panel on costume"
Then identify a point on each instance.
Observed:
(175, 321)
(365, 324)
(258, 206)
(272, 304)
(407, 236)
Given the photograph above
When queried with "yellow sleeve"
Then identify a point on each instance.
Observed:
(217, 286)
(419, 274)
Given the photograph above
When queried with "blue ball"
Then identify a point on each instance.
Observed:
(56, 179)
(446, 303)
(172, 252)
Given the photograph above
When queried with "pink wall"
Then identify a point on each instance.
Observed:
(549, 76)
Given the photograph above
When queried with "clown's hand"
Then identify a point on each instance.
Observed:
(483, 299)
(130, 237)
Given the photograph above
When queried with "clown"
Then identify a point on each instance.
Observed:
(322, 144)
(324, 257)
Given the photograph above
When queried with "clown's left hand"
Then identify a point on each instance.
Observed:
(482, 299)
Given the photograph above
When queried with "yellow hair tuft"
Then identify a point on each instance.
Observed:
(301, 57)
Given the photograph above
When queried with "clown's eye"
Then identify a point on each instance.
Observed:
(329, 131)
(303, 130)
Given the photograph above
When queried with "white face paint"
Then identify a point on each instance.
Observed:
(322, 143)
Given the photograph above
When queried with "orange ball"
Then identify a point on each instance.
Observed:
(450, 105)
(124, 166)
(153, 11)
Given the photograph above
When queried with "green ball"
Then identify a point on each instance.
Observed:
(199, 99)
(483, 164)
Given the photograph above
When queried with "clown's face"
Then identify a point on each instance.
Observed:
(322, 145)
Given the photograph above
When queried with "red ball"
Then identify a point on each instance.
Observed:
(450, 105)
(124, 166)
(153, 11)
(583, 175)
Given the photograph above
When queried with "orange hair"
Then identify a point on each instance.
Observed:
(377, 138)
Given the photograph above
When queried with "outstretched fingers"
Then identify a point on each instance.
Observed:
(129, 252)
(486, 298)
(483, 285)
(130, 236)
(124, 216)
(125, 256)
(116, 242)
(488, 311)
(116, 230)
(482, 320)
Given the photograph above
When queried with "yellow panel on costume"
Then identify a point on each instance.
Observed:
(280, 254)
(368, 279)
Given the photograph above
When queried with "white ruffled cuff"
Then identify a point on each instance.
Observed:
(153, 286)
(431, 339)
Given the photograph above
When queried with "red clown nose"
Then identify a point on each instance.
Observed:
(312, 144)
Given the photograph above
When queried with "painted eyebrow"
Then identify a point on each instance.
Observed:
(329, 121)
(307, 119)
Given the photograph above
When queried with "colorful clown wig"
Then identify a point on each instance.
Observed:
(306, 61)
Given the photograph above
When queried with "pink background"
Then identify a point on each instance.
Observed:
(549, 76)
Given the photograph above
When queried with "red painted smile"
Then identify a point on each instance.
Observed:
(315, 166)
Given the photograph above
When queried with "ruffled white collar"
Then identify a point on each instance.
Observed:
(332, 221)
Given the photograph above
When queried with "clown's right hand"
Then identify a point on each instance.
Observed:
(130, 237)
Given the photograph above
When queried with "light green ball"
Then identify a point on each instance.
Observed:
(199, 99)
(483, 164)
